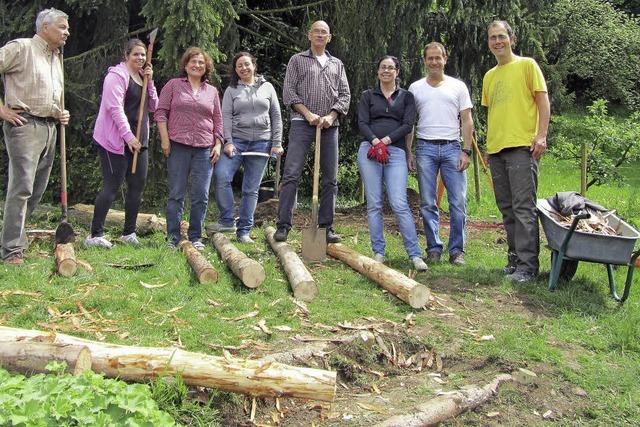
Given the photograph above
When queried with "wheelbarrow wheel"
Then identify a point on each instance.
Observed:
(567, 269)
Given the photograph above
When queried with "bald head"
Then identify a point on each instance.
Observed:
(319, 36)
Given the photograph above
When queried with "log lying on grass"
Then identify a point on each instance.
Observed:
(252, 377)
(66, 264)
(201, 267)
(408, 290)
(249, 271)
(447, 406)
(40, 234)
(302, 283)
(28, 357)
(145, 224)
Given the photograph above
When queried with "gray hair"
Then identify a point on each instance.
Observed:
(47, 16)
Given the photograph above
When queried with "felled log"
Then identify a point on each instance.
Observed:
(28, 357)
(66, 264)
(302, 283)
(40, 234)
(201, 267)
(249, 271)
(145, 223)
(408, 290)
(252, 377)
(447, 406)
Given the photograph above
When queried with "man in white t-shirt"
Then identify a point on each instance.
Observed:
(443, 103)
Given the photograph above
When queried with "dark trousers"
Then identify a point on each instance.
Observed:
(301, 139)
(515, 182)
(116, 169)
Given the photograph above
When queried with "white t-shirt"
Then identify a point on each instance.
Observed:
(322, 59)
(439, 107)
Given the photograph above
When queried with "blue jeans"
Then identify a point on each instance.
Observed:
(186, 162)
(254, 167)
(393, 176)
(430, 159)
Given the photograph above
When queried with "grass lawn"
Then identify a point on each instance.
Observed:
(583, 347)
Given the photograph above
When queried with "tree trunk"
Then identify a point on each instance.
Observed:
(302, 283)
(249, 271)
(253, 377)
(28, 357)
(408, 290)
(201, 267)
(66, 264)
(145, 223)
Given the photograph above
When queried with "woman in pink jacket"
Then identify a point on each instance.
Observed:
(114, 136)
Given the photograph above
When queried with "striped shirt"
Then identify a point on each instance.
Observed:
(32, 76)
(319, 88)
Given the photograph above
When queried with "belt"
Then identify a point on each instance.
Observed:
(37, 118)
(440, 141)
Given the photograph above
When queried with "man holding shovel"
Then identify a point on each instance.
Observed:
(317, 91)
(33, 86)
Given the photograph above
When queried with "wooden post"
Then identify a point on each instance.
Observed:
(302, 283)
(66, 264)
(408, 290)
(583, 169)
(201, 267)
(249, 271)
(27, 357)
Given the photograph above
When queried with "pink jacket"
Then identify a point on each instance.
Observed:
(112, 128)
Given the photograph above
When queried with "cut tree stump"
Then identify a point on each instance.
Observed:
(408, 290)
(145, 223)
(302, 283)
(201, 266)
(252, 377)
(28, 357)
(448, 405)
(249, 271)
(66, 264)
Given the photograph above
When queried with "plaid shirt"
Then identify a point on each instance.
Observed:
(320, 89)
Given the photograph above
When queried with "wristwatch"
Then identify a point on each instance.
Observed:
(467, 151)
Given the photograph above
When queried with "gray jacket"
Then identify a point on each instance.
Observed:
(252, 113)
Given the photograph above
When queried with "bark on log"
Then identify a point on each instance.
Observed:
(249, 271)
(145, 223)
(32, 357)
(66, 264)
(201, 267)
(252, 377)
(39, 234)
(447, 406)
(408, 290)
(302, 283)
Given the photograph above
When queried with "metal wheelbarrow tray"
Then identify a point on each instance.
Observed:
(569, 246)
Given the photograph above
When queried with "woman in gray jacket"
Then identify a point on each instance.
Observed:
(252, 132)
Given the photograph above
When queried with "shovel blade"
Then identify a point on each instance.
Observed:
(64, 233)
(314, 244)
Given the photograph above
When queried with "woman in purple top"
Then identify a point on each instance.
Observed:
(190, 125)
(114, 130)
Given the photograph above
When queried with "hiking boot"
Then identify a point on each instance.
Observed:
(216, 227)
(457, 259)
(512, 263)
(14, 259)
(281, 234)
(332, 237)
(521, 277)
(198, 245)
(433, 257)
(130, 239)
(97, 242)
(245, 238)
(419, 264)
(379, 258)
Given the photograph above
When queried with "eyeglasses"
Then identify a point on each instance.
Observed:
(387, 68)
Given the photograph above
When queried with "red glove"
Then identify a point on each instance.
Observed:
(380, 153)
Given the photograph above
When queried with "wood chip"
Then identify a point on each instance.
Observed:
(148, 286)
(85, 265)
(262, 324)
(214, 303)
(174, 309)
(283, 328)
(493, 414)
(18, 292)
(486, 338)
(244, 316)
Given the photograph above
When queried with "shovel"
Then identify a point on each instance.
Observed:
(64, 232)
(314, 239)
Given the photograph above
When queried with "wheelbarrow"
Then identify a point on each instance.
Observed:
(569, 246)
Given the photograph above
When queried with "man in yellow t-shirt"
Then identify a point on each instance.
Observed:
(515, 93)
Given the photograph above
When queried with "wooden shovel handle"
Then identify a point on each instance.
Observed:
(316, 178)
(143, 100)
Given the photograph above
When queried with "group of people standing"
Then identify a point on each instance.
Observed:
(204, 138)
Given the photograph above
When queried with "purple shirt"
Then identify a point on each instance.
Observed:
(192, 119)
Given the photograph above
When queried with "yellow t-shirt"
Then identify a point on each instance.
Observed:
(509, 92)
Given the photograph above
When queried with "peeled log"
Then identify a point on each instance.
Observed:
(201, 267)
(302, 283)
(28, 357)
(145, 223)
(252, 377)
(66, 264)
(249, 271)
(408, 290)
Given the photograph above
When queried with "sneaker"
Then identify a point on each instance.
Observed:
(281, 234)
(512, 263)
(521, 277)
(379, 258)
(98, 242)
(457, 259)
(216, 227)
(245, 238)
(171, 246)
(332, 237)
(14, 259)
(433, 257)
(198, 245)
(130, 239)
(419, 264)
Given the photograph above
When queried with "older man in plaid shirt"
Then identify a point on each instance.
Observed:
(317, 91)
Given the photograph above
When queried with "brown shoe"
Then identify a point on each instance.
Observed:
(457, 259)
(14, 259)
(433, 257)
